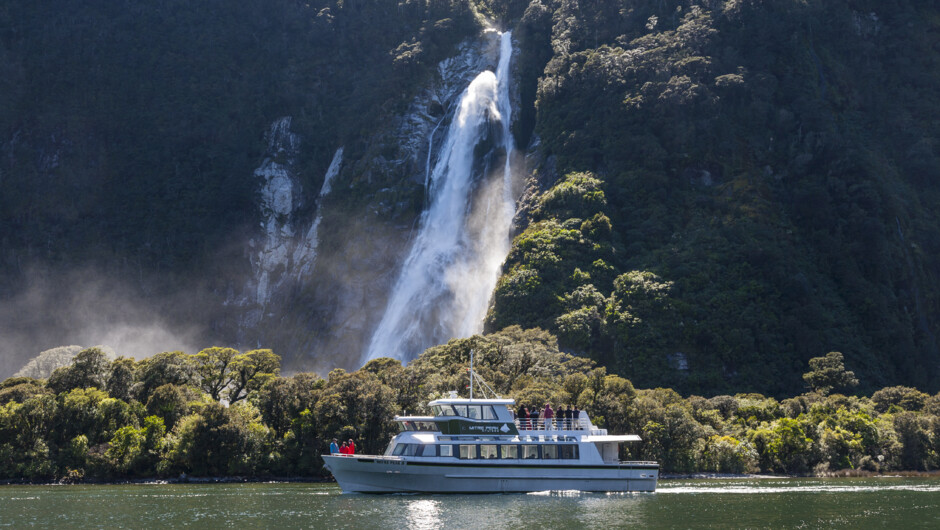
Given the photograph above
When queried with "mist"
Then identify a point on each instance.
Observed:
(88, 308)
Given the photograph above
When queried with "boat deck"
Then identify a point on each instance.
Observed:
(556, 425)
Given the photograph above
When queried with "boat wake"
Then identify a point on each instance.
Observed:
(757, 488)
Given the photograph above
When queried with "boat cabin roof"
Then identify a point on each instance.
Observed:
(465, 401)
(612, 438)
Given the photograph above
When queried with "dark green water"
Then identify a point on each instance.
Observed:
(738, 503)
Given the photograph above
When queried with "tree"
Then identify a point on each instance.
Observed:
(19, 389)
(167, 402)
(166, 368)
(124, 448)
(78, 413)
(904, 397)
(828, 373)
(913, 435)
(251, 371)
(42, 366)
(89, 369)
(121, 378)
(214, 370)
(278, 403)
(783, 446)
(356, 405)
(281, 399)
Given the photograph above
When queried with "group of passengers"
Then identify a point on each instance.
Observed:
(348, 448)
(565, 418)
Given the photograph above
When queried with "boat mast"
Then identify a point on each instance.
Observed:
(471, 374)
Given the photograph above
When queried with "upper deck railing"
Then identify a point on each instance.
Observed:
(555, 424)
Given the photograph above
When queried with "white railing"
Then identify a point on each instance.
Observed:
(384, 458)
(555, 424)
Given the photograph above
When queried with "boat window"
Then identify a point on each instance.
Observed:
(550, 452)
(468, 452)
(489, 413)
(447, 450)
(509, 451)
(447, 410)
(404, 450)
(568, 451)
(487, 451)
(426, 450)
(425, 426)
(530, 451)
(436, 410)
(474, 412)
(461, 410)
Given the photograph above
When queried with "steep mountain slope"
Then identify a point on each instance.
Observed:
(719, 190)
(732, 188)
(131, 133)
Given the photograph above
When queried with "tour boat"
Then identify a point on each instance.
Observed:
(477, 446)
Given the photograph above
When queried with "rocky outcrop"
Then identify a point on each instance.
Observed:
(318, 293)
(285, 252)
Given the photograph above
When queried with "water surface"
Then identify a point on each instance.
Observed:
(736, 503)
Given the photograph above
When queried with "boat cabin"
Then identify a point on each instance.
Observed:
(471, 429)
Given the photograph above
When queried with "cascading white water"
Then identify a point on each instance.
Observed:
(305, 254)
(451, 270)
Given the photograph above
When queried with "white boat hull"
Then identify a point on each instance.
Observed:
(376, 474)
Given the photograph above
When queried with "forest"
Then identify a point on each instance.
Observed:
(730, 188)
(225, 413)
(720, 193)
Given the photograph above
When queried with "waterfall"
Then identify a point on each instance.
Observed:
(451, 270)
(305, 254)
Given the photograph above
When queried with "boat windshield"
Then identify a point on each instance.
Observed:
(412, 425)
(443, 410)
(476, 412)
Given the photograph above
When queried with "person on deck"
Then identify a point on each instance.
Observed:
(533, 417)
(352, 447)
(576, 418)
(344, 450)
(564, 415)
(334, 447)
(523, 416)
(548, 414)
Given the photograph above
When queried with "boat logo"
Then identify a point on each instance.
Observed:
(504, 428)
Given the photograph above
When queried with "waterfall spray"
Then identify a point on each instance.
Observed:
(446, 281)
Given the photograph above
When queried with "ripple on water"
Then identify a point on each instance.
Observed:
(761, 503)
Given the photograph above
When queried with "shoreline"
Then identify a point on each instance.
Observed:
(718, 476)
(174, 480)
(844, 473)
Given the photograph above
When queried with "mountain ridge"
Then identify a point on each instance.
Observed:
(725, 189)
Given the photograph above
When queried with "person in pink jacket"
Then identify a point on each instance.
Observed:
(548, 414)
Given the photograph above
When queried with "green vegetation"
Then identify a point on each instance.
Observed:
(727, 188)
(132, 129)
(172, 414)
(738, 185)
(129, 133)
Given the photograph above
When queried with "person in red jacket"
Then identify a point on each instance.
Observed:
(344, 450)
(352, 447)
